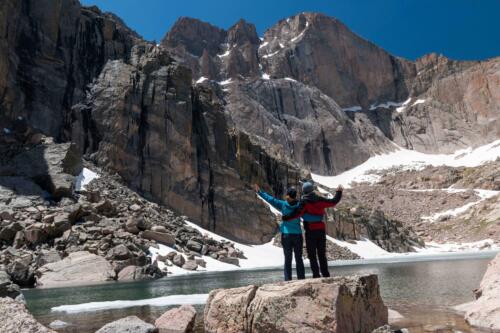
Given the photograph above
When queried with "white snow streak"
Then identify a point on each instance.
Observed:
(270, 54)
(352, 109)
(201, 80)
(119, 304)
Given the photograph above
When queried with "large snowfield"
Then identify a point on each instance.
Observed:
(409, 160)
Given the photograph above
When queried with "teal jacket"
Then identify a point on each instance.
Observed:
(286, 227)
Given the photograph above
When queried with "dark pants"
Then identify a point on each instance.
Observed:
(316, 251)
(292, 245)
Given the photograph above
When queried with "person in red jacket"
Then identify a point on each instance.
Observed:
(312, 210)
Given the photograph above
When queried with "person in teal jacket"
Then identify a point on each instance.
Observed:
(291, 232)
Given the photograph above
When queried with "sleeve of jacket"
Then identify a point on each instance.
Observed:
(330, 202)
(276, 203)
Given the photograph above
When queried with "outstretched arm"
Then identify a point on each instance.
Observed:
(276, 203)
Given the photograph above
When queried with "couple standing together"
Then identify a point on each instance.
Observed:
(311, 209)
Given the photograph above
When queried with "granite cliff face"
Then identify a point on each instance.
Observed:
(49, 52)
(191, 123)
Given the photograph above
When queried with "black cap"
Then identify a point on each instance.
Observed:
(292, 192)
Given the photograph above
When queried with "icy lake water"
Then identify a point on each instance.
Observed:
(421, 291)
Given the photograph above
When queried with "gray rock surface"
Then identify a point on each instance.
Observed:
(15, 318)
(484, 312)
(131, 324)
(177, 320)
(351, 304)
(78, 268)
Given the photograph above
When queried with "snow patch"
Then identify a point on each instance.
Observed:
(364, 248)
(84, 178)
(385, 105)
(258, 256)
(353, 109)
(270, 54)
(418, 101)
(225, 82)
(201, 80)
(265, 76)
(263, 45)
(282, 46)
(6, 130)
(483, 194)
(408, 160)
(225, 54)
(403, 106)
(290, 79)
(119, 304)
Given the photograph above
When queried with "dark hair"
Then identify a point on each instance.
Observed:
(292, 192)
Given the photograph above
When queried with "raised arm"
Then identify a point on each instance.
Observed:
(276, 203)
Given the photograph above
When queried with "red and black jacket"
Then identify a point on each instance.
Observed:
(312, 210)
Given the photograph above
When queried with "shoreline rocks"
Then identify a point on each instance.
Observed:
(78, 268)
(346, 304)
(484, 312)
(15, 318)
(177, 320)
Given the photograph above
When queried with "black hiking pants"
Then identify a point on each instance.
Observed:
(292, 245)
(316, 252)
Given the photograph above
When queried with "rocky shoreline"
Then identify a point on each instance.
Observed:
(347, 304)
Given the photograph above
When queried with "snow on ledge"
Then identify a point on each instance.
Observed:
(84, 178)
(201, 80)
(225, 82)
(410, 159)
(353, 109)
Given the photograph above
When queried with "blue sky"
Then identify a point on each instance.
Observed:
(459, 29)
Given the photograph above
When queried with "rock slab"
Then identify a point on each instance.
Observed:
(15, 318)
(347, 304)
(131, 324)
(80, 267)
(484, 312)
(177, 320)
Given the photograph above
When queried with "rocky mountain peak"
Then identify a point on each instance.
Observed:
(195, 36)
(241, 33)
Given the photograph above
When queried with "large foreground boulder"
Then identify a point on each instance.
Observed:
(78, 268)
(484, 312)
(177, 320)
(8, 288)
(341, 304)
(15, 318)
(131, 324)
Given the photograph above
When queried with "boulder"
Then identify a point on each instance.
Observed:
(21, 272)
(78, 268)
(58, 324)
(119, 252)
(8, 232)
(15, 318)
(229, 260)
(7, 287)
(190, 265)
(177, 320)
(341, 304)
(194, 246)
(178, 260)
(131, 324)
(106, 208)
(133, 273)
(484, 312)
(161, 237)
(47, 257)
(159, 228)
